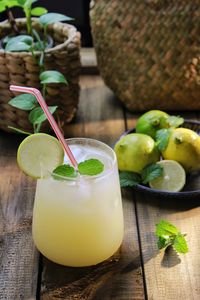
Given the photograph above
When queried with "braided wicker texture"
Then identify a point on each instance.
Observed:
(20, 68)
(148, 51)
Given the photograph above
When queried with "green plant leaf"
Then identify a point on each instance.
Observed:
(11, 3)
(169, 235)
(19, 130)
(38, 11)
(21, 2)
(24, 101)
(64, 172)
(52, 77)
(129, 179)
(151, 172)
(37, 115)
(22, 38)
(165, 228)
(19, 43)
(18, 47)
(174, 121)
(180, 244)
(2, 7)
(90, 167)
(162, 138)
(28, 3)
(53, 18)
(163, 242)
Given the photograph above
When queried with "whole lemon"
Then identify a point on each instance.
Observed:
(184, 147)
(152, 121)
(135, 151)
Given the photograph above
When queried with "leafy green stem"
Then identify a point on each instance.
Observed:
(44, 90)
(45, 35)
(38, 127)
(27, 12)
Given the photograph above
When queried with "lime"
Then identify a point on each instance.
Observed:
(39, 154)
(135, 151)
(152, 121)
(172, 179)
(184, 147)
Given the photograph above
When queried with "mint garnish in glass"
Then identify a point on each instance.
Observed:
(89, 167)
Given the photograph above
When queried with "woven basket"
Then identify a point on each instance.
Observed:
(148, 51)
(21, 68)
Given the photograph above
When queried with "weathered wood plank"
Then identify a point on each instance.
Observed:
(169, 276)
(18, 256)
(100, 116)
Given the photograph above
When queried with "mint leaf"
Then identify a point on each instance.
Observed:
(24, 101)
(162, 242)
(180, 244)
(169, 235)
(151, 172)
(164, 228)
(64, 172)
(90, 167)
(174, 121)
(162, 138)
(129, 179)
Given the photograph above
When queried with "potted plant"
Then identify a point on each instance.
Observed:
(41, 52)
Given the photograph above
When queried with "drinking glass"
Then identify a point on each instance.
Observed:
(79, 221)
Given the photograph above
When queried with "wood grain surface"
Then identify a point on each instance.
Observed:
(168, 275)
(100, 116)
(18, 256)
(138, 270)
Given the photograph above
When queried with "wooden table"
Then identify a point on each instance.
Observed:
(139, 271)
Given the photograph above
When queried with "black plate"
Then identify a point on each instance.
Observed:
(192, 187)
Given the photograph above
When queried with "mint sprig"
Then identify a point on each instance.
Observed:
(162, 138)
(88, 167)
(131, 179)
(64, 171)
(170, 235)
(151, 172)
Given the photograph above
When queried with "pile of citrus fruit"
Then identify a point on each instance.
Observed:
(160, 139)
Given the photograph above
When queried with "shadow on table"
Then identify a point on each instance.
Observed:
(110, 276)
(167, 203)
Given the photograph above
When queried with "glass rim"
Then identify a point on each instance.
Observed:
(71, 141)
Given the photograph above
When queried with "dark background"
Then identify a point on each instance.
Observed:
(77, 9)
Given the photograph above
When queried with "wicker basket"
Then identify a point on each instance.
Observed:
(21, 68)
(148, 51)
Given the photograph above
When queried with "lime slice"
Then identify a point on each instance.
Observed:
(39, 154)
(172, 179)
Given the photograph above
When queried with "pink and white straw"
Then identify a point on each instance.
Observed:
(50, 118)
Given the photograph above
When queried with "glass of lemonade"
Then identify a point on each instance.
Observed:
(79, 221)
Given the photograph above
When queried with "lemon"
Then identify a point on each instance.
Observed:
(135, 151)
(184, 147)
(39, 154)
(172, 179)
(152, 121)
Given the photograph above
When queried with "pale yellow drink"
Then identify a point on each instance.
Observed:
(79, 222)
